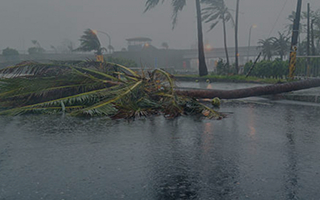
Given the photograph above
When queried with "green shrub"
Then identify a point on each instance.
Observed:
(10, 52)
(268, 69)
(122, 61)
(222, 68)
(35, 50)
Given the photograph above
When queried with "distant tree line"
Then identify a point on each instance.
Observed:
(280, 46)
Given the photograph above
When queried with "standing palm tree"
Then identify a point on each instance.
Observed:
(178, 5)
(90, 42)
(267, 48)
(165, 45)
(315, 32)
(281, 44)
(236, 38)
(289, 26)
(37, 49)
(216, 11)
(302, 25)
(36, 43)
(110, 48)
(315, 17)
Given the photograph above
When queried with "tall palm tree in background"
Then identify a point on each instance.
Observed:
(37, 49)
(281, 44)
(215, 12)
(315, 30)
(36, 43)
(89, 42)
(315, 17)
(236, 38)
(110, 48)
(177, 6)
(267, 48)
(289, 26)
(165, 45)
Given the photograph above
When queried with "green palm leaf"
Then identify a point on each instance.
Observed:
(92, 109)
(77, 88)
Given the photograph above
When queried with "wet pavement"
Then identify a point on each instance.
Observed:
(262, 150)
(311, 95)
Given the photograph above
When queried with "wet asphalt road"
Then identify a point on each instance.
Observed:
(265, 150)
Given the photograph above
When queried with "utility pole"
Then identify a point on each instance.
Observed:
(308, 40)
(252, 26)
(312, 39)
(294, 40)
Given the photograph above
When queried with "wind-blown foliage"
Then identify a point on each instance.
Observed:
(314, 19)
(90, 42)
(275, 46)
(215, 12)
(177, 6)
(281, 44)
(80, 89)
(267, 48)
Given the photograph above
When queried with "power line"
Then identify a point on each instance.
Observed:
(284, 5)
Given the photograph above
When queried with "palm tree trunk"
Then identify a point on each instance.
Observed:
(269, 56)
(225, 41)
(236, 38)
(202, 62)
(249, 92)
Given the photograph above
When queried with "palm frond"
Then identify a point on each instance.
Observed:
(151, 4)
(125, 69)
(98, 74)
(177, 6)
(89, 41)
(81, 89)
(34, 69)
(108, 101)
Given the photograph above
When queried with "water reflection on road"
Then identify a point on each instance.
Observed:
(261, 151)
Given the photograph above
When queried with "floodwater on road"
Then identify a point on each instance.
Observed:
(262, 150)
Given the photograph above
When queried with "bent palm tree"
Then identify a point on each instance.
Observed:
(216, 11)
(90, 42)
(254, 91)
(178, 5)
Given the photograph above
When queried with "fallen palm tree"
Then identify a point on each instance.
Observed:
(92, 88)
(106, 89)
(249, 92)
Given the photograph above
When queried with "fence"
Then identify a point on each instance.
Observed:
(308, 66)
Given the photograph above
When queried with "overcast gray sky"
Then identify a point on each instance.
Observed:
(52, 21)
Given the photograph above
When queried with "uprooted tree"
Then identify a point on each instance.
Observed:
(84, 88)
(253, 91)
